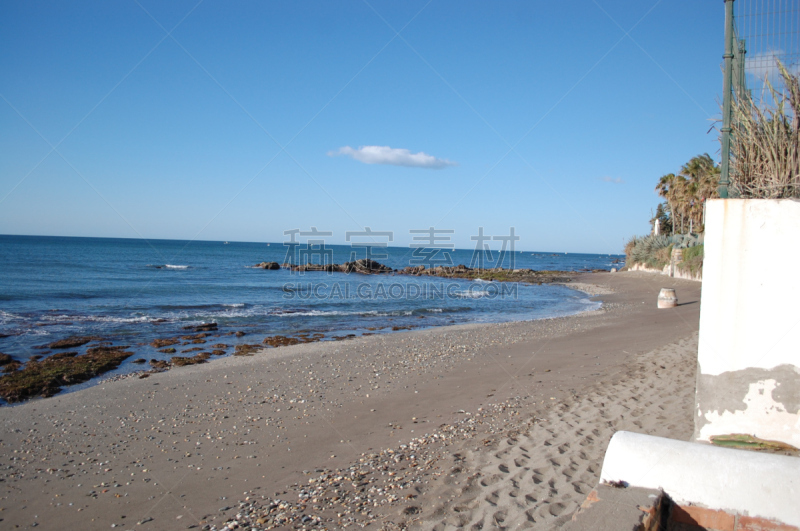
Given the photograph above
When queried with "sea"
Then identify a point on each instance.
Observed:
(132, 291)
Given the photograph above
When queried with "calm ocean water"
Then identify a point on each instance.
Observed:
(133, 291)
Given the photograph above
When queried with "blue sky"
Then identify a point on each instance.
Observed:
(240, 120)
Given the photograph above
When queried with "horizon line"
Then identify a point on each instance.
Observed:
(283, 243)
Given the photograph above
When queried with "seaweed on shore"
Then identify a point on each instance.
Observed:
(8, 363)
(180, 361)
(246, 350)
(287, 341)
(46, 377)
(72, 342)
(195, 336)
(160, 343)
(283, 341)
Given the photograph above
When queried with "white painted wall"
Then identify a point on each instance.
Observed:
(750, 314)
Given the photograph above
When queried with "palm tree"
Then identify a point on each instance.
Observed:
(687, 192)
(665, 189)
(681, 197)
(702, 175)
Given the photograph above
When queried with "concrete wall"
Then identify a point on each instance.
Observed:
(749, 350)
(672, 269)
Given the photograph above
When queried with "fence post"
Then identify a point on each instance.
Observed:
(727, 82)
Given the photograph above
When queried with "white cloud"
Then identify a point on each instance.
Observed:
(617, 180)
(393, 156)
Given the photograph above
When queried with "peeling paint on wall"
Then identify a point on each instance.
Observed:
(750, 401)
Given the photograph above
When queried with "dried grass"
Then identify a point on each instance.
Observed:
(765, 150)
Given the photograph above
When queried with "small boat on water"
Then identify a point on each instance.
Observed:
(226, 243)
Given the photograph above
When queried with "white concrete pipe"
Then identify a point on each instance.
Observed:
(735, 481)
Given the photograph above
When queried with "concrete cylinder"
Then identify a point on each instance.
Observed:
(736, 481)
(667, 298)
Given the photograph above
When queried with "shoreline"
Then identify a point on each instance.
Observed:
(79, 374)
(171, 446)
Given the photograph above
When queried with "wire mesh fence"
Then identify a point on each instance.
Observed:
(760, 155)
(766, 31)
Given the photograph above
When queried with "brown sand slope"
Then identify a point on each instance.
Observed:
(538, 478)
(182, 448)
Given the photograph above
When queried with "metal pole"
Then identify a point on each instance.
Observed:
(724, 178)
(741, 83)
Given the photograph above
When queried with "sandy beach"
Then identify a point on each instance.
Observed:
(481, 426)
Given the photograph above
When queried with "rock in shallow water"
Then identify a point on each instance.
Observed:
(72, 342)
(46, 377)
(268, 265)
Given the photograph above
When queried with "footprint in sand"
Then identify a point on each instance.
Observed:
(556, 508)
(493, 498)
(490, 480)
(556, 463)
(581, 487)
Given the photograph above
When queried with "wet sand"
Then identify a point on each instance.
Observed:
(500, 425)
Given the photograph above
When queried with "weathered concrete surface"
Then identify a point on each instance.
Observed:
(749, 349)
(737, 402)
(607, 507)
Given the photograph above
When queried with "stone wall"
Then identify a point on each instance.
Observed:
(673, 269)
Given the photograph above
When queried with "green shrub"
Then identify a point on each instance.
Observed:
(691, 253)
(693, 259)
(652, 251)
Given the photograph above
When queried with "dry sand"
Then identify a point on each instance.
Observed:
(485, 426)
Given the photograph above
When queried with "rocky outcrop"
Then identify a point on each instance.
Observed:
(498, 274)
(160, 343)
(364, 266)
(46, 378)
(72, 342)
(181, 361)
(208, 327)
(8, 364)
(268, 265)
(246, 350)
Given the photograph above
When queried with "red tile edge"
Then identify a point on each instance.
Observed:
(750, 523)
